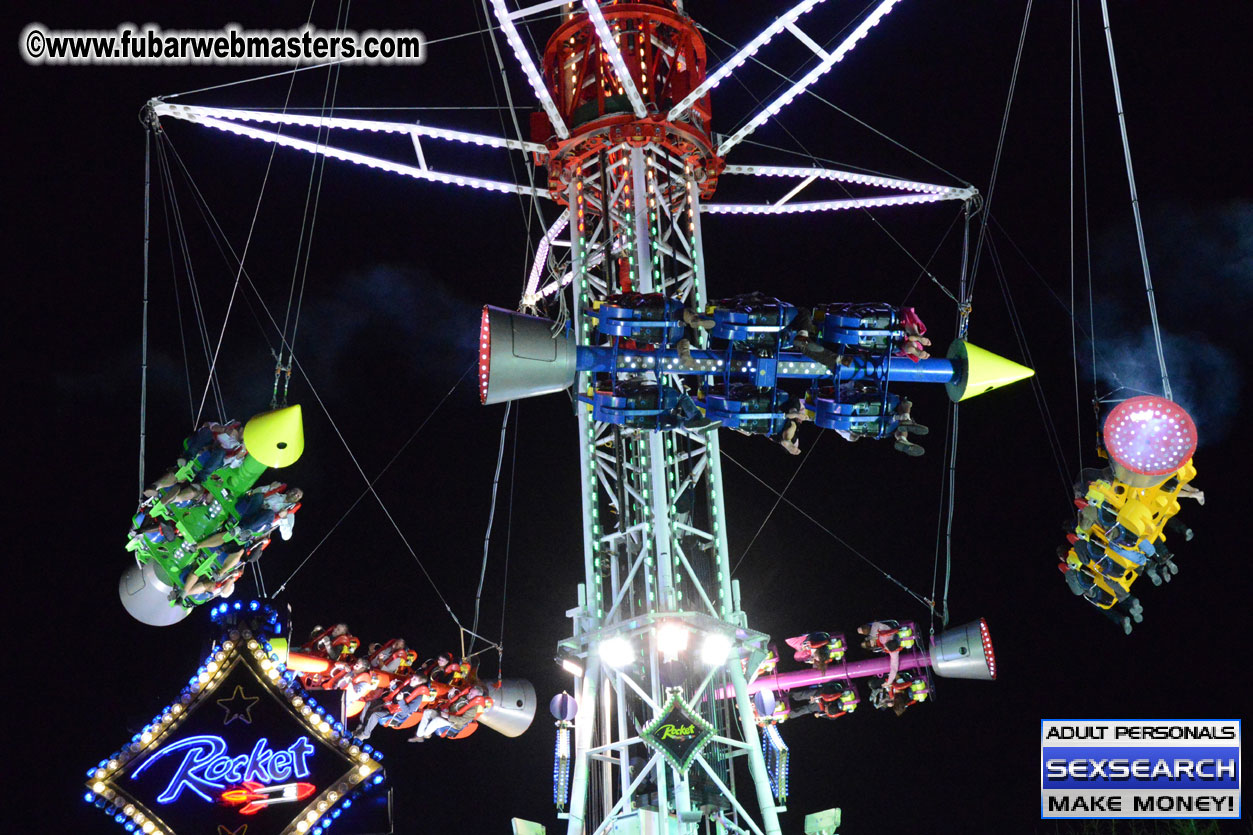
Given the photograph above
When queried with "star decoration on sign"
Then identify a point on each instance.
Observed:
(241, 830)
(238, 706)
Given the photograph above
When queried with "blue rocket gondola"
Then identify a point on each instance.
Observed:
(870, 327)
(754, 324)
(637, 404)
(651, 318)
(869, 412)
(521, 356)
(746, 407)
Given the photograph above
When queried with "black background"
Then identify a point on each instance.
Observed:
(400, 268)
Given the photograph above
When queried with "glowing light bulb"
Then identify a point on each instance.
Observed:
(616, 652)
(672, 638)
(716, 648)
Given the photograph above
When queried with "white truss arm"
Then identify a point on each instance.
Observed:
(505, 18)
(737, 60)
(947, 192)
(828, 61)
(615, 57)
(917, 192)
(821, 205)
(417, 172)
(195, 112)
(530, 296)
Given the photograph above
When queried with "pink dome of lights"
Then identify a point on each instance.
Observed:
(1150, 435)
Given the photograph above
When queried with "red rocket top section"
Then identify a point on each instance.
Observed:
(664, 55)
(1150, 435)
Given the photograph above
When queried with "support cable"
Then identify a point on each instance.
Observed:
(778, 499)
(925, 271)
(373, 492)
(504, 585)
(178, 301)
(829, 532)
(304, 375)
(1074, 342)
(1135, 206)
(939, 517)
(143, 356)
(1000, 145)
(1087, 233)
(969, 271)
(809, 91)
(517, 128)
(1037, 388)
(220, 240)
(963, 325)
(198, 313)
(374, 481)
(248, 242)
(319, 165)
(1088, 331)
(817, 162)
(491, 518)
(948, 523)
(217, 351)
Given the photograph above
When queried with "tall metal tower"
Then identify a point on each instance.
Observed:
(658, 629)
(657, 597)
(654, 541)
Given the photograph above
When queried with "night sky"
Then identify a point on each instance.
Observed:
(399, 269)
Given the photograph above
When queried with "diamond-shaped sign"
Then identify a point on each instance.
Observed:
(241, 750)
(678, 732)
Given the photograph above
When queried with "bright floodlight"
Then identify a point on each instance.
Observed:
(823, 823)
(1148, 438)
(672, 639)
(617, 652)
(715, 649)
(570, 663)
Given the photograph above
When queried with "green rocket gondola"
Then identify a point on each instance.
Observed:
(272, 439)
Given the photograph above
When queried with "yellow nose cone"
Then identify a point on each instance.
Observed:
(276, 438)
(981, 371)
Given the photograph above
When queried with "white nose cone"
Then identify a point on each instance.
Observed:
(513, 707)
(147, 597)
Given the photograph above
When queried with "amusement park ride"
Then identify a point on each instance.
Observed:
(673, 686)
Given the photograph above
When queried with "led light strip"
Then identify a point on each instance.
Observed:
(810, 77)
(615, 57)
(193, 113)
(529, 68)
(851, 177)
(737, 60)
(367, 160)
(541, 257)
(821, 206)
(986, 637)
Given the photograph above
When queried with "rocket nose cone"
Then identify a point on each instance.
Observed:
(276, 438)
(981, 371)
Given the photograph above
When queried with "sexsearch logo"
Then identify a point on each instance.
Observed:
(1139, 769)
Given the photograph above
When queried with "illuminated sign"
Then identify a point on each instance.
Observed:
(678, 732)
(243, 751)
(206, 765)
